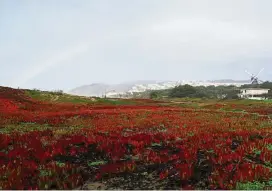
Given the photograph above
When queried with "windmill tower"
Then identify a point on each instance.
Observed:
(254, 78)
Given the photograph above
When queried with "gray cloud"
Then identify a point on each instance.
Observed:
(63, 44)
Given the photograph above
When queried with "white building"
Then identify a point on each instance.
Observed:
(253, 93)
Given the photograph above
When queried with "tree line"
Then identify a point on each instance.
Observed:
(211, 92)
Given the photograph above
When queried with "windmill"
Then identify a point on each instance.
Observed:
(254, 78)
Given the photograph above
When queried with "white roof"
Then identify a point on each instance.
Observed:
(255, 89)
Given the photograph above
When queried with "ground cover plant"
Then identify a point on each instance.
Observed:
(132, 144)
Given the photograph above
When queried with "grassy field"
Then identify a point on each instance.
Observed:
(52, 140)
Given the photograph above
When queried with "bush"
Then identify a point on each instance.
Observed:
(57, 92)
(154, 95)
(183, 91)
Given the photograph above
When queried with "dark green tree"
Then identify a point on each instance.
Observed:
(267, 85)
(183, 91)
(154, 95)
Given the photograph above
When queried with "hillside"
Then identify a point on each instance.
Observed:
(52, 140)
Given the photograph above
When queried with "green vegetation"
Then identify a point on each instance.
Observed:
(184, 91)
(115, 101)
(29, 127)
(57, 96)
(232, 110)
(209, 92)
(96, 163)
(24, 127)
(154, 95)
(256, 185)
(265, 125)
(60, 97)
(268, 100)
(187, 91)
(266, 84)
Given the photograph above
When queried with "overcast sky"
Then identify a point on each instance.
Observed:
(62, 44)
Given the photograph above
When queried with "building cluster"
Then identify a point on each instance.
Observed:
(254, 93)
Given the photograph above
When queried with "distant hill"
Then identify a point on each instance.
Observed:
(90, 90)
(99, 89)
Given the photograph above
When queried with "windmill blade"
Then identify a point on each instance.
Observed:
(259, 72)
(249, 73)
